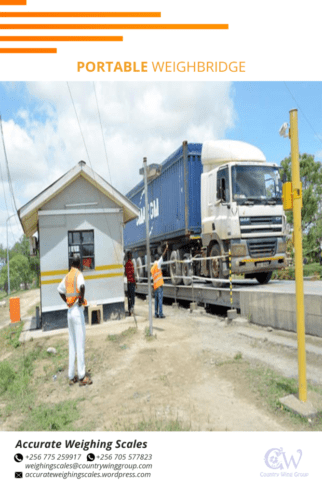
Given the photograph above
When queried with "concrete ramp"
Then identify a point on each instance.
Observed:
(274, 304)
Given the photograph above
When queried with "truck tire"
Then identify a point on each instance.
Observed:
(263, 277)
(215, 267)
(187, 270)
(175, 268)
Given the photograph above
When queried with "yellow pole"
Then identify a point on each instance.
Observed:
(297, 205)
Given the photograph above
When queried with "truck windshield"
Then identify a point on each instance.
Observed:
(256, 184)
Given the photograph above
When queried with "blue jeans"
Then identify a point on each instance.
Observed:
(158, 300)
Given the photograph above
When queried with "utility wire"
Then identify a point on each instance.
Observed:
(5, 199)
(99, 116)
(7, 164)
(99, 197)
(304, 115)
(80, 128)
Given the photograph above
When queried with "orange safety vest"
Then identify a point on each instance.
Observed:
(157, 276)
(72, 292)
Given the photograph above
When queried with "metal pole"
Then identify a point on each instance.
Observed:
(8, 254)
(148, 245)
(297, 205)
(230, 282)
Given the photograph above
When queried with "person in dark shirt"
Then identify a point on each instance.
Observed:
(131, 282)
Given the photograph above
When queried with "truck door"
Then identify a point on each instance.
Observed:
(222, 222)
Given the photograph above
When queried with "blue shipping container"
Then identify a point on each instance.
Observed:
(174, 200)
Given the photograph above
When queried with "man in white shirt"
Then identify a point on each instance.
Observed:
(72, 291)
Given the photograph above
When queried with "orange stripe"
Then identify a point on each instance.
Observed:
(13, 2)
(80, 14)
(61, 38)
(28, 50)
(113, 26)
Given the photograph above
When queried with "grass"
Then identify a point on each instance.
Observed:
(309, 270)
(236, 359)
(120, 338)
(11, 335)
(19, 388)
(272, 386)
(15, 377)
(148, 336)
(238, 356)
(152, 424)
(59, 417)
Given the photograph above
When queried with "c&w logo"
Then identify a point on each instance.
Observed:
(275, 458)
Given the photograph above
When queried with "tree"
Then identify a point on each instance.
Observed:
(29, 271)
(311, 178)
(19, 272)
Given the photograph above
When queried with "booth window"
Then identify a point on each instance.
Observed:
(82, 242)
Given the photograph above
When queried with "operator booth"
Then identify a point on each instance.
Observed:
(79, 213)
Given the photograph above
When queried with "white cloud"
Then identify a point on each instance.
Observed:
(44, 140)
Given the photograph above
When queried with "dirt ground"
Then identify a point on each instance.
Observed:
(28, 299)
(191, 371)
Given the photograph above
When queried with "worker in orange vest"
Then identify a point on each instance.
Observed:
(158, 284)
(72, 291)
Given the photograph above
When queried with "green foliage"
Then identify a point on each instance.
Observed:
(119, 338)
(19, 272)
(311, 178)
(13, 335)
(152, 424)
(51, 418)
(23, 268)
(7, 376)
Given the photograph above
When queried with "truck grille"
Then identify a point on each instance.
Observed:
(263, 219)
(262, 247)
(260, 225)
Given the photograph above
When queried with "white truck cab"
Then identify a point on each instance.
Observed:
(241, 210)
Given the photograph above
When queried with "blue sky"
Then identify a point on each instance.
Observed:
(262, 107)
(44, 138)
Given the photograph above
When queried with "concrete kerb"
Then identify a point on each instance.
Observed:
(308, 409)
(110, 327)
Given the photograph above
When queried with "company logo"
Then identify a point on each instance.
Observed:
(283, 464)
(153, 211)
(275, 458)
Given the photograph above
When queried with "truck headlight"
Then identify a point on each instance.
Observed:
(238, 250)
(281, 247)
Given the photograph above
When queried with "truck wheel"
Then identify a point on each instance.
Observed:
(175, 268)
(263, 277)
(215, 266)
(140, 270)
(187, 271)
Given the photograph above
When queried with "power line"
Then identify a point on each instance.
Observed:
(7, 164)
(99, 197)
(304, 115)
(99, 116)
(80, 128)
(5, 201)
